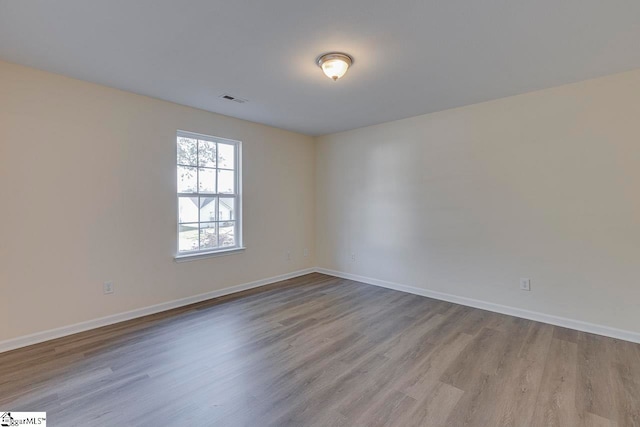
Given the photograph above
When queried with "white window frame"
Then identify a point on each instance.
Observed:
(227, 250)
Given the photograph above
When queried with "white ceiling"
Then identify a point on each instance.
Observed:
(411, 56)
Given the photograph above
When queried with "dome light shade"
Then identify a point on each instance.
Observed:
(335, 64)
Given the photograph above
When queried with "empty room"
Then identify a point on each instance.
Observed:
(339, 213)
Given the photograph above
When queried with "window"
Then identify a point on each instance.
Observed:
(209, 201)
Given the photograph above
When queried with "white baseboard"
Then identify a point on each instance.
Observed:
(39, 337)
(498, 308)
(593, 328)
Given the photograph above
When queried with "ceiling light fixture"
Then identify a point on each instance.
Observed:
(334, 64)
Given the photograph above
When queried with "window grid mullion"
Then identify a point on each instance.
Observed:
(198, 189)
(218, 219)
(207, 194)
(217, 164)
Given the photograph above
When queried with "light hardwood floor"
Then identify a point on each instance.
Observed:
(322, 351)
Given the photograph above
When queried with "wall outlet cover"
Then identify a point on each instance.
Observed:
(107, 288)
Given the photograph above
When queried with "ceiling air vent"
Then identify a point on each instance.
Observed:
(228, 97)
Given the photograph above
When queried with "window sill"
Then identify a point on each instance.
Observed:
(203, 255)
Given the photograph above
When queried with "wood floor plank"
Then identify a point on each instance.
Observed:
(594, 390)
(435, 406)
(519, 375)
(427, 375)
(555, 404)
(625, 379)
(391, 412)
(591, 420)
(323, 351)
(479, 356)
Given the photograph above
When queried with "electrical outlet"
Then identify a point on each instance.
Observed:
(305, 252)
(288, 255)
(525, 284)
(353, 257)
(107, 288)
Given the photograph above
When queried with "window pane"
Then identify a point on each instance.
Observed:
(207, 169)
(207, 209)
(207, 153)
(208, 236)
(188, 237)
(227, 234)
(226, 182)
(187, 151)
(207, 180)
(227, 209)
(187, 179)
(226, 156)
(187, 209)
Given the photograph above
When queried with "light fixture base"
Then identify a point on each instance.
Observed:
(334, 55)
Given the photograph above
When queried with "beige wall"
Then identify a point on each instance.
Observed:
(544, 185)
(88, 194)
(466, 201)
